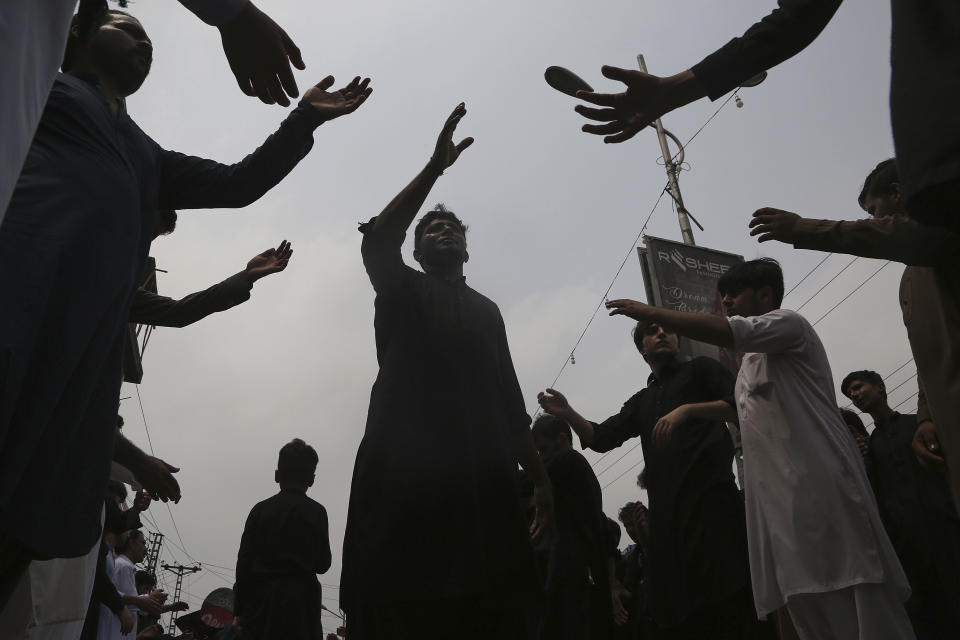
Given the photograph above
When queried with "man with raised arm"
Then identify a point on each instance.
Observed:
(697, 569)
(818, 550)
(82, 217)
(436, 544)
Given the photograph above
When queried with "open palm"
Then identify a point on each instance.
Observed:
(333, 104)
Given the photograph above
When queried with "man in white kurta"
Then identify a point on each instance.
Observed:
(814, 532)
(817, 548)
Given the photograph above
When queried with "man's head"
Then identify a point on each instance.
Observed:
(551, 435)
(164, 222)
(866, 389)
(881, 195)
(113, 46)
(440, 239)
(296, 465)
(654, 342)
(135, 546)
(145, 581)
(752, 288)
(853, 422)
(633, 515)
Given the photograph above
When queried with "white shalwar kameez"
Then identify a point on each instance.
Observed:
(816, 542)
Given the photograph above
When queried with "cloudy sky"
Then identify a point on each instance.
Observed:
(553, 212)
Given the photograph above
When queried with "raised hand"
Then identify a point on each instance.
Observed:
(141, 501)
(333, 104)
(646, 98)
(270, 261)
(260, 53)
(774, 224)
(553, 402)
(446, 152)
(629, 308)
(156, 476)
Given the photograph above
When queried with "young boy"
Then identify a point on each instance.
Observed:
(817, 546)
(285, 544)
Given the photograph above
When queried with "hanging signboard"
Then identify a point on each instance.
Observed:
(684, 277)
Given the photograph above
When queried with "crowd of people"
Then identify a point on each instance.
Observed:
(835, 533)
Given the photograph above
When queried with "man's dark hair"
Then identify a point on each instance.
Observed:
(119, 422)
(853, 420)
(870, 377)
(125, 542)
(642, 478)
(753, 274)
(91, 15)
(145, 579)
(166, 221)
(116, 490)
(640, 329)
(880, 181)
(439, 212)
(548, 426)
(627, 512)
(297, 463)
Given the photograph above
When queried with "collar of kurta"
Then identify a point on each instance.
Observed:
(667, 369)
(92, 79)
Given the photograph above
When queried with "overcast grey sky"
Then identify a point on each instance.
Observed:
(553, 211)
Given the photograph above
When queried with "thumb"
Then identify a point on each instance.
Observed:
(326, 83)
(466, 142)
(171, 468)
(292, 51)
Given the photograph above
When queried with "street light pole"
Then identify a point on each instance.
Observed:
(673, 185)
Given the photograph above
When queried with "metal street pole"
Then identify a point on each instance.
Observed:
(673, 186)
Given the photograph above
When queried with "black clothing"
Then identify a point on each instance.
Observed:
(630, 573)
(924, 83)
(918, 513)
(697, 542)
(466, 618)
(435, 510)
(82, 217)
(577, 581)
(285, 544)
(160, 311)
(104, 592)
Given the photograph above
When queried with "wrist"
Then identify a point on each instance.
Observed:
(683, 88)
(434, 168)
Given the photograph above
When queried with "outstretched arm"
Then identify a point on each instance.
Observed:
(556, 404)
(718, 410)
(399, 213)
(698, 326)
(786, 31)
(161, 311)
(188, 182)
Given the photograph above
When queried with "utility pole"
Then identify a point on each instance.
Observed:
(153, 553)
(673, 169)
(179, 570)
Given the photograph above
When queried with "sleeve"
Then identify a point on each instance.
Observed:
(323, 538)
(188, 182)
(895, 238)
(716, 381)
(615, 430)
(245, 562)
(126, 579)
(214, 12)
(774, 332)
(785, 32)
(161, 311)
(380, 251)
(515, 408)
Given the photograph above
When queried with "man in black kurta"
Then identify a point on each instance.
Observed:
(917, 511)
(73, 247)
(285, 544)
(435, 544)
(697, 568)
(577, 590)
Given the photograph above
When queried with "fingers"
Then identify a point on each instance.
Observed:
(326, 83)
(602, 99)
(556, 394)
(627, 133)
(603, 129)
(604, 115)
(293, 53)
(466, 142)
(289, 84)
(618, 73)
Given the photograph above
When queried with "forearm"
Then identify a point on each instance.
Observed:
(580, 425)
(896, 238)
(128, 454)
(696, 326)
(529, 459)
(397, 216)
(714, 410)
(161, 311)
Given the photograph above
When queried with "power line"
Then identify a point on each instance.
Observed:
(855, 289)
(625, 454)
(820, 290)
(809, 273)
